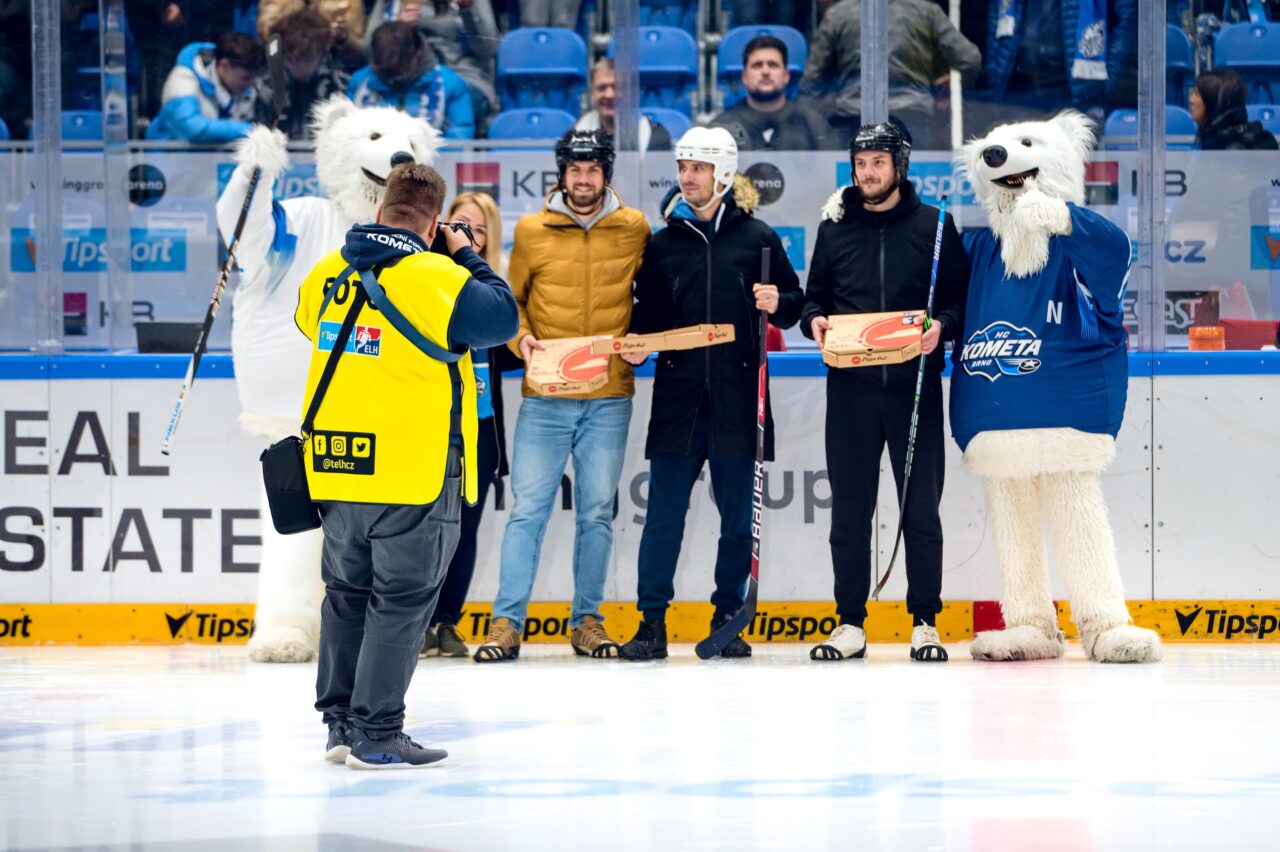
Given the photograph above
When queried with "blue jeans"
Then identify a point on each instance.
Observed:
(548, 432)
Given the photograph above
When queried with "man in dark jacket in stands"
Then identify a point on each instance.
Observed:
(704, 268)
(769, 120)
(874, 253)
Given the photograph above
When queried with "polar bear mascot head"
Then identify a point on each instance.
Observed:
(357, 146)
(1021, 173)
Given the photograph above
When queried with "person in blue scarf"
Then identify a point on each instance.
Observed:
(404, 73)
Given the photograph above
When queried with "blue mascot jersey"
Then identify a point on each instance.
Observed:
(1049, 350)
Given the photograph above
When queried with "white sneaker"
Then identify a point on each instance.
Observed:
(847, 642)
(926, 647)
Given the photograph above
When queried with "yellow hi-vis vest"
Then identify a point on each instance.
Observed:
(382, 432)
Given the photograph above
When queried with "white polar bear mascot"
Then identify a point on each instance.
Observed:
(281, 242)
(1039, 388)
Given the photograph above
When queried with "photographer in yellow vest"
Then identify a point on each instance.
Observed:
(392, 452)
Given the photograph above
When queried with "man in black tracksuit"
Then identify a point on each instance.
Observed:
(873, 254)
(704, 268)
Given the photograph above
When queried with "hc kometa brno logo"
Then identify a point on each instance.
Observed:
(1001, 349)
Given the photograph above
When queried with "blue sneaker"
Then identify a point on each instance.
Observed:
(339, 745)
(395, 752)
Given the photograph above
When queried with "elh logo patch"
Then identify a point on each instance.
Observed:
(364, 339)
(1001, 349)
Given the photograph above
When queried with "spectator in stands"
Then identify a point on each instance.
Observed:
(464, 35)
(603, 115)
(1217, 103)
(403, 73)
(208, 96)
(305, 39)
(923, 48)
(346, 22)
(769, 120)
(792, 13)
(1045, 54)
(550, 13)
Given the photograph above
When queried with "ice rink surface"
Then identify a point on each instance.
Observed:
(196, 749)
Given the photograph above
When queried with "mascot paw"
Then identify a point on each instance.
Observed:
(1023, 642)
(264, 147)
(1037, 211)
(1125, 644)
(282, 645)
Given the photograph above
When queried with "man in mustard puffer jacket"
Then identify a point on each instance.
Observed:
(571, 272)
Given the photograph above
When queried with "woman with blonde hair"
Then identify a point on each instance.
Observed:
(478, 210)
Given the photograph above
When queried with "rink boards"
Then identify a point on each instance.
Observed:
(103, 540)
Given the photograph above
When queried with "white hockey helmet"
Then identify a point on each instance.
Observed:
(712, 145)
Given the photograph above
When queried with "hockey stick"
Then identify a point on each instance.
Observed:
(714, 644)
(276, 66)
(915, 405)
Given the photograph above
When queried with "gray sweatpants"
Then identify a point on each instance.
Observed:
(383, 567)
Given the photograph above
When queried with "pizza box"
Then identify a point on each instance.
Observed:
(866, 340)
(567, 366)
(689, 337)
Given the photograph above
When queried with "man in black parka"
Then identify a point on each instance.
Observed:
(873, 254)
(704, 268)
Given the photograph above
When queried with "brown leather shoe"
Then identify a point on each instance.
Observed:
(590, 639)
(502, 643)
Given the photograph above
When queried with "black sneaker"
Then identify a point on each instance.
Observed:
(737, 646)
(395, 752)
(339, 744)
(649, 643)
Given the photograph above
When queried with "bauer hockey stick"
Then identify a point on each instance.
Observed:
(915, 405)
(276, 66)
(714, 644)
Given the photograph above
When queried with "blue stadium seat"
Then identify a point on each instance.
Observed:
(729, 58)
(4, 129)
(1121, 130)
(530, 124)
(1268, 114)
(542, 67)
(81, 124)
(1253, 52)
(675, 121)
(668, 68)
(1179, 67)
(682, 14)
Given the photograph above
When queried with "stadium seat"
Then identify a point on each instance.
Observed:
(1253, 52)
(81, 125)
(530, 124)
(675, 121)
(1268, 115)
(1121, 130)
(1179, 66)
(4, 129)
(729, 58)
(668, 68)
(542, 67)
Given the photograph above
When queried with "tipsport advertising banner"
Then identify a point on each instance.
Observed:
(1222, 210)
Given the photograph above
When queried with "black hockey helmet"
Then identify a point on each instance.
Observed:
(890, 136)
(577, 145)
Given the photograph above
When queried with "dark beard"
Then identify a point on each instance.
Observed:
(768, 97)
(882, 197)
